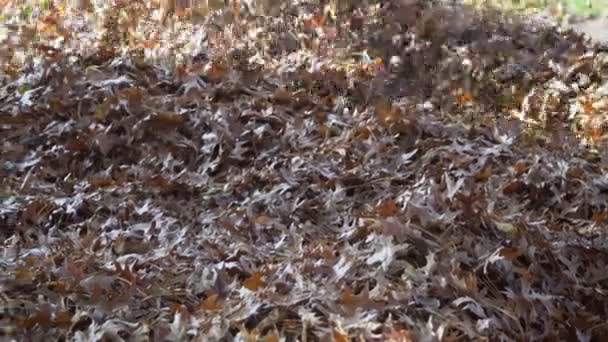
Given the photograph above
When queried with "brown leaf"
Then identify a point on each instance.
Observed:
(123, 245)
(77, 145)
(575, 172)
(216, 71)
(41, 317)
(23, 274)
(272, 336)
(361, 132)
(282, 96)
(37, 211)
(339, 336)
(387, 114)
(254, 282)
(514, 187)
(103, 109)
(62, 319)
(59, 287)
(520, 166)
(484, 173)
(356, 23)
(101, 182)
(133, 95)
(399, 335)
(262, 220)
(347, 297)
(211, 303)
(165, 121)
(387, 208)
(464, 98)
(510, 253)
(600, 216)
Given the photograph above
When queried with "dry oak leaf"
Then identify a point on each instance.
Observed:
(211, 303)
(387, 209)
(254, 282)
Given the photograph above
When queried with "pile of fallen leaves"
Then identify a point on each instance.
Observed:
(404, 172)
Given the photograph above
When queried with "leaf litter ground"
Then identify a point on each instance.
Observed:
(409, 173)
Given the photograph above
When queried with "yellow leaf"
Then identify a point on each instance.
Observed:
(464, 98)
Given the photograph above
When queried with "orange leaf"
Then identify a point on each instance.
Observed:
(387, 114)
(600, 216)
(151, 43)
(271, 337)
(254, 282)
(183, 12)
(216, 71)
(587, 105)
(211, 303)
(63, 319)
(464, 98)
(400, 335)
(338, 336)
(387, 209)
(347, 297)
(362, 133)
(315, 21)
